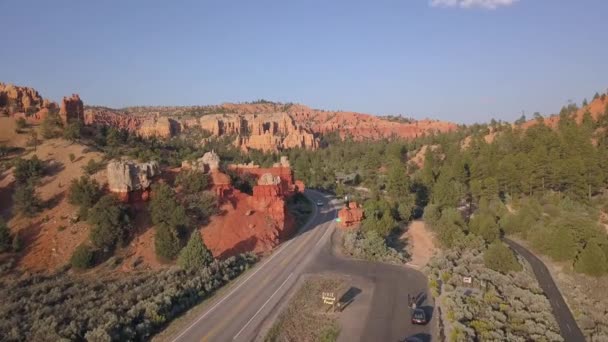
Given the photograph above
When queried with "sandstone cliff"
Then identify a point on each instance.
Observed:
(105, 117)
(161, 127)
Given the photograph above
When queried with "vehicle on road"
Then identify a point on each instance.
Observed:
(320, 204)
(419, 317)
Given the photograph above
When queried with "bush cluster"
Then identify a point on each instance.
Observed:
(371, 246)
(495, 306)
(126, 308)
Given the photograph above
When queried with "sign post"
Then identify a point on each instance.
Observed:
(329, 298)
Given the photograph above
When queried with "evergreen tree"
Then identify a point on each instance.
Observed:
(82, 258)
(50, 126)
(72, 131)
(501, 259)
(28, 170)
(195, 255)
(591, 260)
(167, 242)
(5, 236)
(484, 224)
(84, 193)
(26, 201)
(111, 223)
(192, 181)
(165, 209)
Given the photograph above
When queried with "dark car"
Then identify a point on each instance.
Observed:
(419, 317)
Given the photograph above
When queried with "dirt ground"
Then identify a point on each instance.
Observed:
(421, 242)
(50, 237)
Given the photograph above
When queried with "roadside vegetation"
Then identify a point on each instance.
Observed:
(63, 306)
(503, 301)
(307, 318)
(543, 185)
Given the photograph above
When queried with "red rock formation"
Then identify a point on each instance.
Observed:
(104, 117)
(72, 108)
(221, 183)
(281, 169)
(350, 216)
(131, 181)
(14, 99)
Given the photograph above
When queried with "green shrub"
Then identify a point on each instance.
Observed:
(93, 166)
(500, 258)
(591, 260)
(202, 205)
(195, 254)
(72, 131)
(26, 200)
(192, 181)
(51, 126)
(131, 307)
(28, 170)
(371, 246)
(82, 258)
(21, 123)
(84, 193)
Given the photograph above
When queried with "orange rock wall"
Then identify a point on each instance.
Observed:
(350, 216)
(72, 108)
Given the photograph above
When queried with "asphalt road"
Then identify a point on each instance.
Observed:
(567, 325)
(389, 317)
(239, 314)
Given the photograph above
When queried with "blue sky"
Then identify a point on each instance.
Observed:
(458, 60)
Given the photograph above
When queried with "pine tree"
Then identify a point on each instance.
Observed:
(501, 259)
(110, 222)
(591, 260)
(167, 242)
(26, 201)
(195, 255)
(84, 193)
(5, 236)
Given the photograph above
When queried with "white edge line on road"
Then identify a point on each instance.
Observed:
(261, 308)
(231, 292)
(328, 228)
(241, 284)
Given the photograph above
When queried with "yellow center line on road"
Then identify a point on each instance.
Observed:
(297, 251)
(225, 321)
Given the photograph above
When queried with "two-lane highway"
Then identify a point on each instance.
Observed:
(238, 315)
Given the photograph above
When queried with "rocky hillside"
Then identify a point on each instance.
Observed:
(265, 126)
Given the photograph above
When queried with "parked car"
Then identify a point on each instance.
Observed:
(419, 317)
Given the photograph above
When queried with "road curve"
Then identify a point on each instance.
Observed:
(388, 318)
(238, 314)
(567, 325)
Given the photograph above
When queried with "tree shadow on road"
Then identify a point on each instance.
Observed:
(422, 337)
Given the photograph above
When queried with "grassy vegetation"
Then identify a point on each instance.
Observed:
(306, 317)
